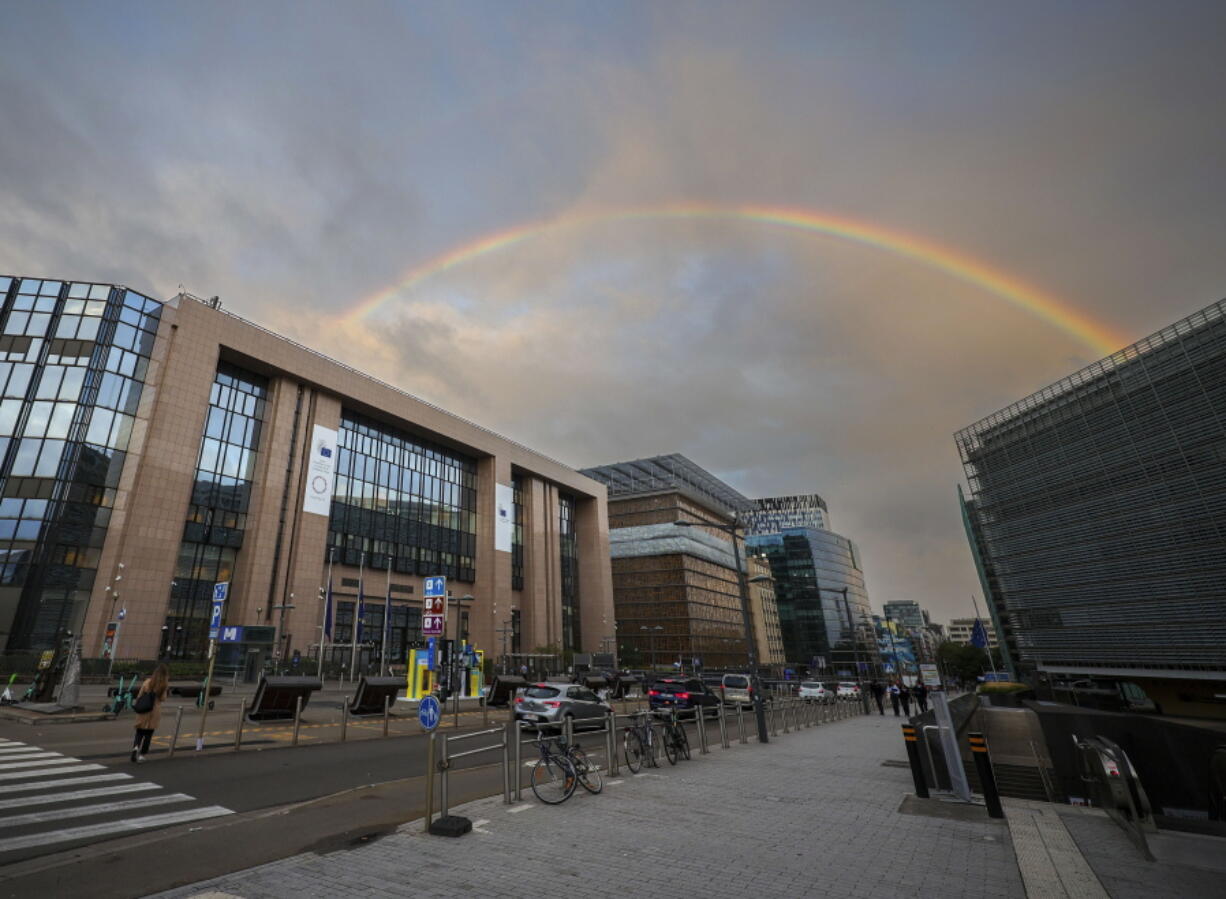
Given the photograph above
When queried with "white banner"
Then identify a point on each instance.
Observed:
(321, 472)
(504, 517)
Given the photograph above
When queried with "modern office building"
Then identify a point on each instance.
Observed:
(960, 630)
(764, 613)
(906, 612)
(151, 450)
(1097, 512)
(676, 589)
(823, 605)
(772, 514)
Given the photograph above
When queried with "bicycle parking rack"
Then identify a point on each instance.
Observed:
(447, 824)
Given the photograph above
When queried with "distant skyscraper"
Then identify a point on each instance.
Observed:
(906, 612)
(772, 514)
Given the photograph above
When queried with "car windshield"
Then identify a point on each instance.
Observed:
(541, 692)
(812, 686)
(733, 681)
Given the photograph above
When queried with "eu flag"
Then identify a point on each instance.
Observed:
(979, 634)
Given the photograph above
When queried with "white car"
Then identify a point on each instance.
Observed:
(847, 689)
(813, 691)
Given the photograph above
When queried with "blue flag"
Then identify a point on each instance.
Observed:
(979, 634)
(361, 612)
(328, 612)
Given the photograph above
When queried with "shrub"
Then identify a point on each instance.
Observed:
(1003, 687)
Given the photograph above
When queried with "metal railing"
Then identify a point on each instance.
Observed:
(445, 757)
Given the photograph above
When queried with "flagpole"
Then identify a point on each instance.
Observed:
(987, 643)
(387, 619)
(357, 612)
(323, 627)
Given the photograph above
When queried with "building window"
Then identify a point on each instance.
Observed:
(568, 551)
(517, 533)
(403, 502)
(217, 515)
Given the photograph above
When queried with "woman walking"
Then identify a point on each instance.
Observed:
(156, 685)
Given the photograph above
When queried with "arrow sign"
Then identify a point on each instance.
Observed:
(428, 713)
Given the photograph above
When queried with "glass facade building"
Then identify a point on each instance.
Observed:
(1097, 508)
(820, 622)
(217, 516)
(73, 361)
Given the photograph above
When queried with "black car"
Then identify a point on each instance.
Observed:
(682, 693)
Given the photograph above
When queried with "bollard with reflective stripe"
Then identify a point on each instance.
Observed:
(987, 777)
(913, 756)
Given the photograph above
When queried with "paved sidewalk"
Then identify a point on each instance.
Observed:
(815, 813)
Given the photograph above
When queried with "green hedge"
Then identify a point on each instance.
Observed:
(1003, 687)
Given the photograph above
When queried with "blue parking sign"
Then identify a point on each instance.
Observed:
(435, 586)
(215, 618)
(220, 591)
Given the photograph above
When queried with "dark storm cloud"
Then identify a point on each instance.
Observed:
(297, 158)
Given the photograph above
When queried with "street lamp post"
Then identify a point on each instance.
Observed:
(280, 634)
(651, 641)
(750, 648)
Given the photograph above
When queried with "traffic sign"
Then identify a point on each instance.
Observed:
(432, 625)
(435, 586)
(215, 619)
(221, 590)
(429, 713)
(231, 635)
(435, 605)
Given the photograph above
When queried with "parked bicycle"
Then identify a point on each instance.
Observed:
(639, 743)
(587, 772)
(676, 743)
(554, 777)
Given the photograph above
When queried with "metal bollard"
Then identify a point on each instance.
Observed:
(387, 707)
(297, 719)
(787, 703)
(444, 807)
(518, 730)
(987, 777)
(568, 730)
(740, 718)
(723, 725)
(238, 728)
(175, 739)
(344, 720)
(913, 756)
(610, 743)
(702, 731)
(506, 764)
(774, 725)
(429, 779)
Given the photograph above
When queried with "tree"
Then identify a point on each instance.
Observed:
(963, 661)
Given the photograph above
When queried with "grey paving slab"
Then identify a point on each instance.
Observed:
(814, 813)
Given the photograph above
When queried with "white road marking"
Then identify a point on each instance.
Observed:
(48, 798)
(7, 761)
(516, 809)
(60, 761)
(613, 783)
(41, 772)
(84, 811)
(127, 825)
(15, 747)
(62, 782)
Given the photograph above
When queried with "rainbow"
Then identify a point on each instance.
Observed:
(1098, 336)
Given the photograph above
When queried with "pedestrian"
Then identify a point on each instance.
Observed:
(878, 692)
(921, 696)
(523, 669)
(156, 685)
(904, 696)
(894, 698)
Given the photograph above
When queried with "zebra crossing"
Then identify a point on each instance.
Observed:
(48, 799)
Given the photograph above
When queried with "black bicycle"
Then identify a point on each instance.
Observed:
(639, 743)
(587, 772)
(554, 777)
(676, 743)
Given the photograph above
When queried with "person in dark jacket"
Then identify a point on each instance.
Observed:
(894, 698)
(878, 692)
(904, 696)
(921, 696)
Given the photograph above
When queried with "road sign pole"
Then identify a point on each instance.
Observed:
(204, 708)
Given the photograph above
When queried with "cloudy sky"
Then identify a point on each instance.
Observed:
(298, 159)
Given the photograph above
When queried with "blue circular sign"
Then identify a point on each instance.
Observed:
(429, 713)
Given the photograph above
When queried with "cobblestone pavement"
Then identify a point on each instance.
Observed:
(813, 814)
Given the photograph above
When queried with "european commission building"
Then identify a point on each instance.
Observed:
(1097, 510)
(150, 450)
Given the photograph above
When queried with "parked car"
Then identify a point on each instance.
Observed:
(814, 691)
(849, 689)
(736, 689)
(554, 703)
(683, 694)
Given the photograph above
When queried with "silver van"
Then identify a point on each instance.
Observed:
(736, 689)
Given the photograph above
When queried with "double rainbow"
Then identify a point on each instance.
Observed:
(1098, 336)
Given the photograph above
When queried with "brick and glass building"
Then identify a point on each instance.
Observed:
(1097, 518)
(150, 450)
